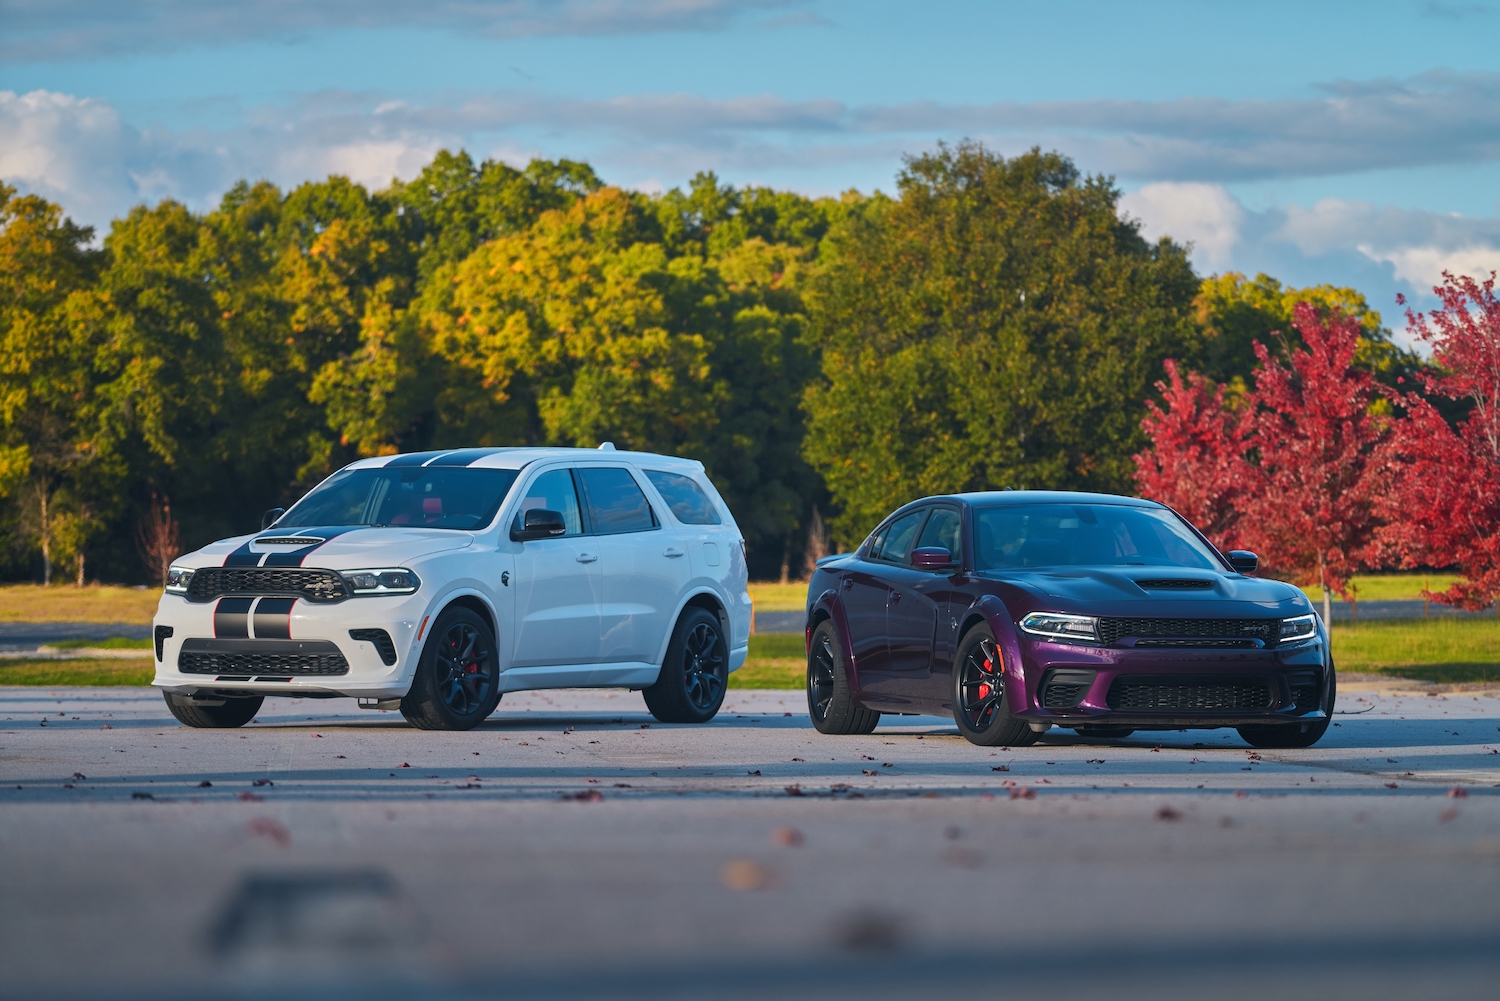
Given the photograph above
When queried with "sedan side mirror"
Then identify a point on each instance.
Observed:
(269, 518)
(931, 558)
(539, 523)
(1243, 560)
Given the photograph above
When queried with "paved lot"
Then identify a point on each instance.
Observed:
(571, 847)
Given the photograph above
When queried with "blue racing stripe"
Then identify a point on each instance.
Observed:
(243, 557)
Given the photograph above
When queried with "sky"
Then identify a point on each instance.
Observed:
(1347, 143)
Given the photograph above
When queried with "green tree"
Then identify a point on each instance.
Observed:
(998, 325)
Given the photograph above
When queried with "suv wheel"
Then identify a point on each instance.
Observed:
(457, 683)
(695, 675)
(234, 712)
(829, 700)
(980, 707)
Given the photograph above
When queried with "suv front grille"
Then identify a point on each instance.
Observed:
(1111, 631)
(261, 657)
(1188, 693)
(311, 585)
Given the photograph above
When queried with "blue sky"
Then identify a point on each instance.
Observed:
(1356, 143)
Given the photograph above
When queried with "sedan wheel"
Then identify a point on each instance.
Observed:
(830, 703)
(457, 682)
(979, 703)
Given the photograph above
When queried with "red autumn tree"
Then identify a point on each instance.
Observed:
(1311, 511)
(1444, 505)
(1196, 463)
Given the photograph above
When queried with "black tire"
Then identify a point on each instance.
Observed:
(1103, 732)
(234, 712)
(1294, 734)
(979, 702)
(829, 700)
(457, 684)
(695, 674)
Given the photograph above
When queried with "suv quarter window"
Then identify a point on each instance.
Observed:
(687, 501)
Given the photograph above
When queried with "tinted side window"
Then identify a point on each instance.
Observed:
(899, 537)
(942, 529)
(689, 504)
(616, 504)
(553, 491)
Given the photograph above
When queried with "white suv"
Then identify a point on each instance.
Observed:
(436, 581)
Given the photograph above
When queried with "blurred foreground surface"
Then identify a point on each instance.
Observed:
(573, 846)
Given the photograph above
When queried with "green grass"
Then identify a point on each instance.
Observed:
(1441, 650)
(66, 603)
(769, 596)
(58, 673)
(1391, 586)
(113, 643)
(776, 661)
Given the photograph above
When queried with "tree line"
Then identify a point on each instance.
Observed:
(991, 323)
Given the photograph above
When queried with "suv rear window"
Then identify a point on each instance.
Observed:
(689, 504)
(616, 503)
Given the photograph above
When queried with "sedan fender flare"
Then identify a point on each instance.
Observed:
(828, 606)
(997, 616)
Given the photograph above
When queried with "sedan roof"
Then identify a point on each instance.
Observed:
(997, 498)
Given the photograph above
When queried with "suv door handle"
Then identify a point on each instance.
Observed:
(672, 554)
(895, 597)
(586, 557)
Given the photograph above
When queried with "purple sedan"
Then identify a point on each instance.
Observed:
(1019, 611)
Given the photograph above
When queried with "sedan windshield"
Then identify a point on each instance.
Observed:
(1019, 536)
(454, 497)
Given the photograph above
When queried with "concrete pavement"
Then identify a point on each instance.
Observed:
(572, 845)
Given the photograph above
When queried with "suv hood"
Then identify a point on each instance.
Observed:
(336, 548)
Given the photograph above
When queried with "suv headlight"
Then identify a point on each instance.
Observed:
(1060, 626)
(387, 581)
(178, 578)
(1303, 627)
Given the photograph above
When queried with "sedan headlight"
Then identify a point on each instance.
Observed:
(178, 578)
(1303, 627)
(1060, 626)
(387, 581)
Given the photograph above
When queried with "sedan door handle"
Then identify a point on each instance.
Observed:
(848, 583)
(895, 597)
(586, 557)
(672, 554)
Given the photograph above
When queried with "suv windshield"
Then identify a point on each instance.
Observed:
(454, 497)
(1018, 536)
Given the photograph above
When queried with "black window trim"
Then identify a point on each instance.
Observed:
(963, 533)
(925, 511)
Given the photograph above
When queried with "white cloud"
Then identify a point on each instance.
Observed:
(1204, 214)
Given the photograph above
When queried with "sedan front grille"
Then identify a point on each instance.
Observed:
(1143, 694)
(1111, 631)
(261, 657)
(312, 585)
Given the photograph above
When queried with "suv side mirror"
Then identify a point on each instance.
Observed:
(931, 558)
(269, 518)
(538, 523)
(1243, 560)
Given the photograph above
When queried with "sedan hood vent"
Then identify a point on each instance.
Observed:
(287, 540)
(1176, 584)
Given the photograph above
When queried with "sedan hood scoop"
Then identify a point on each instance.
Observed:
(1145, 584)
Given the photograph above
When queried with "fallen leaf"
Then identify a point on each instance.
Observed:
(1096, 761)
(756, 772)
(79, 775)
(106, 726)
(585, 796)
(1167, 813)
(1000, 768)
(141, 795)
(787, 837)
(205, 784)
(1018, 792)
(742, 874)
(1390, 785)
(887, 765)
(262, 782)
(800, 759)
(405, 765)
(1449, 814)
(790, 790)
(1457, 792)
(340, 755)
(867, 771)
(265, 827)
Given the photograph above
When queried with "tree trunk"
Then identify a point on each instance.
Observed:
(41, 494)
(78, 559)
(1327, 594)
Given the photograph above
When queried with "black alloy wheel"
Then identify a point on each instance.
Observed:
(695, 674)
(830, 702)
(457, 681)
(979, 704)
(1290, 735)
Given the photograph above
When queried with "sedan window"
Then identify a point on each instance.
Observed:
(942, 529)
(1017, 536)
(899, 537)
(616, 503)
